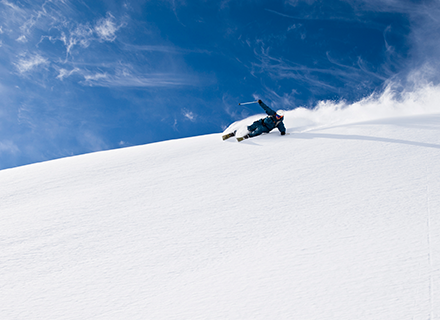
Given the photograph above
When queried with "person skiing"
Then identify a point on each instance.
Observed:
(264, 125)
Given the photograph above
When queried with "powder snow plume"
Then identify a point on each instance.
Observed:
(391, 103)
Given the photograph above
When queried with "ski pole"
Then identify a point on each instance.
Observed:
(243, 103)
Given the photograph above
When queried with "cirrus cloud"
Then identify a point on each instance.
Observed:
(106, 28)
(26, 64)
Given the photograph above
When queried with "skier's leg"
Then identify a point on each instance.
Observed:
(259, 130)
(254, 126)
(254, 130)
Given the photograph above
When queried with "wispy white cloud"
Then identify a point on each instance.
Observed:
(12, 18)
(189, 115)
(22, 39)
(25, 116)
(92, 141)
(282, 68)
(96, 78)
(26, 64)
(296, 2)
(281, 14)
(82, 35)
(63, 73)
(56, 16)
(126, 75)
(130, 80)
(11, 5)
(106, 28)
(298, 28)
(8, 147)
(164, 49)
(74, 35)
(424, 28)
(397, 6)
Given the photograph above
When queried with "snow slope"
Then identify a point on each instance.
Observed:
(338, 220)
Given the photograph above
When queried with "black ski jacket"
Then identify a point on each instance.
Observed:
(271, 122)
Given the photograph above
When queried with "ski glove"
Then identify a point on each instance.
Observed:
(283, 133)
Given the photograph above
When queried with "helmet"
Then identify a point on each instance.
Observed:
(280, 113)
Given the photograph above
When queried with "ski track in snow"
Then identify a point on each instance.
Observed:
(331, 222)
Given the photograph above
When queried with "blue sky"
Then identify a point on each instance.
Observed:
(83, 76)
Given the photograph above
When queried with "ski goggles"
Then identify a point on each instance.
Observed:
(278, 116)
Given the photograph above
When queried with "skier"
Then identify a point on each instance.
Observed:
(265, 125)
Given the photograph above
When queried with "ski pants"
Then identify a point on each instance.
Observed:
(257, 128)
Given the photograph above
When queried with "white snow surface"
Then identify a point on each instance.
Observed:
(338, 220)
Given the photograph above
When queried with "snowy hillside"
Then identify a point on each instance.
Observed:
(338, 220)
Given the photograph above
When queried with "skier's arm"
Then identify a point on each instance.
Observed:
(282, 128)
(268, 110)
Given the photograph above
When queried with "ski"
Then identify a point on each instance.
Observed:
(239, 139)
(229, 135)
